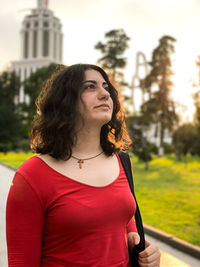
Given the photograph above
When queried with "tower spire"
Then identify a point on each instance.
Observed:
(42, 4)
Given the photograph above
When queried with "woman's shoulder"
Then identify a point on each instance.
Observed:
(37, 175)
(29, 165)
(34, 170)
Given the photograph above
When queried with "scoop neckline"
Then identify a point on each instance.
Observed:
(81, 183)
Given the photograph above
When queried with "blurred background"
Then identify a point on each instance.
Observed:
(151, 48)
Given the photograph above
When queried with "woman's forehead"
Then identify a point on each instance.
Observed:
(93, 75)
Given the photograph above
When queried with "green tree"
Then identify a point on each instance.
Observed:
(9, 88)
(10, 120)
(32, 87)
(112, 51)
(140, 145)
(184, 140)
(160, 108)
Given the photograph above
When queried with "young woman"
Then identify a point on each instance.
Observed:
(71, 205)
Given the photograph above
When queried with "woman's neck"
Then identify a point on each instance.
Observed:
(88, 143)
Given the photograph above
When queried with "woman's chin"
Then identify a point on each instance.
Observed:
(101, 121)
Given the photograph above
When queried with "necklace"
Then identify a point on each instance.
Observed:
(81, 161)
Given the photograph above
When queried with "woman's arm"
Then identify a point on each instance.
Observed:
(24, 225)
(131, 226)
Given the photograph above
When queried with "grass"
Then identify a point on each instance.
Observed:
(168, 193)
(15, 159)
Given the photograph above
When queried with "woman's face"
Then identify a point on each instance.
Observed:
(95, 103)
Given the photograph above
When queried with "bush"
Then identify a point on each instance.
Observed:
(153, 148)
(5, 147)
(22, 145)
(168, 148)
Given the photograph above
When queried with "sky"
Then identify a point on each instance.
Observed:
(144, 21)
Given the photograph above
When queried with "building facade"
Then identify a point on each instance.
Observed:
(41, 43)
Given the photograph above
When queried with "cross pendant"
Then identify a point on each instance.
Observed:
(80, 161)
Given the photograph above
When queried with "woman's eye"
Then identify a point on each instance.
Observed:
(89, 86)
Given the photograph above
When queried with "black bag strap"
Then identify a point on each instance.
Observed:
(125, 160)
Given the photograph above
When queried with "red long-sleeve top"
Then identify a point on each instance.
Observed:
(54, 221)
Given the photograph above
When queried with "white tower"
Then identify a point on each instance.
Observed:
(41, 43)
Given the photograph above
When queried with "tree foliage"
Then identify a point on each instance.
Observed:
(9, 88)
(140, 145)
(160, 108)
(10, 120)
(112, 52)
(32, 87)
(184, 140)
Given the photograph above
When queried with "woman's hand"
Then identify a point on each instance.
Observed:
(150, 257)
(133, 239)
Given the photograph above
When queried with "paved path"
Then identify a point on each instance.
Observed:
(6, 176)
(170, 256)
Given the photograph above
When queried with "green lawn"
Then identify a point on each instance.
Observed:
(15, 159)
(168, 193)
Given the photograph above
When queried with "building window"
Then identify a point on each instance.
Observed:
(27, 25)
(34, 43)
(45, 43)
(36, 24)
(26, 41)
(46, 24)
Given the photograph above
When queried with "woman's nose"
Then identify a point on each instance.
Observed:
(103, 93)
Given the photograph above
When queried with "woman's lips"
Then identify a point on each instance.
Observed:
(103, 106)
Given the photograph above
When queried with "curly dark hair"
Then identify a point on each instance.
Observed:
(53, 129)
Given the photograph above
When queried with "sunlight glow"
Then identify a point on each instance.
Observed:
(185, 71)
